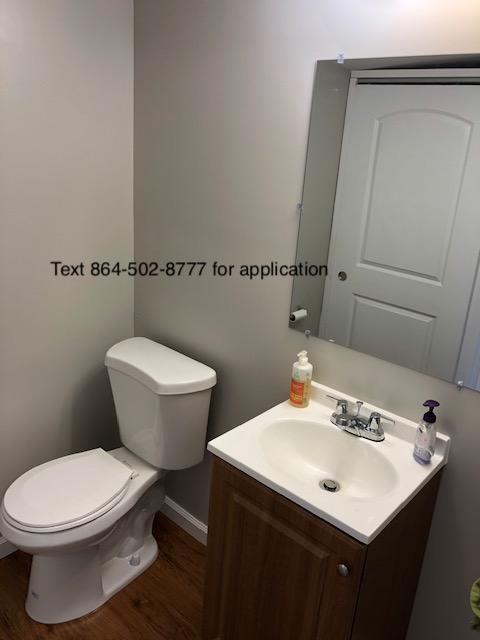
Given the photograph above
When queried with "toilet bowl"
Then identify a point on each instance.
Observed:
(87, 517)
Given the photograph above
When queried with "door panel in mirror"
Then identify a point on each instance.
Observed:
(401, 336)
(412, 192)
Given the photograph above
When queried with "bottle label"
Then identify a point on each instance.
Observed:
(300, 393)
(296, 392)
(423, 439)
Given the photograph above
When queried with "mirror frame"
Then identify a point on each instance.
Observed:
(327, 117)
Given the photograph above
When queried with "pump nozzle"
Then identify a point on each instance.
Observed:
(430, 415)
(302, 357)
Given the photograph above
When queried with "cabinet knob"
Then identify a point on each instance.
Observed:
(343, 570)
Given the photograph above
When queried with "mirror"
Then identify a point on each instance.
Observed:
(390, 210)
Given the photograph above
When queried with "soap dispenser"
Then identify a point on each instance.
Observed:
(301, 380)
(425, 439)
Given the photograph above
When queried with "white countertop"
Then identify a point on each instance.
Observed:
(292, 450)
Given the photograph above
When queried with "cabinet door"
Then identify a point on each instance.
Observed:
(273, 567)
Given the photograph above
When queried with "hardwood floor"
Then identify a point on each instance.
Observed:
(164, 603)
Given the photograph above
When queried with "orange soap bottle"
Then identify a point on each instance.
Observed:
(301, 381)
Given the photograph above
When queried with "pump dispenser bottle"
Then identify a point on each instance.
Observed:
(301, 381)
(424, 447)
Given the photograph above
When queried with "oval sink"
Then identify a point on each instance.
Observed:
(312, 452)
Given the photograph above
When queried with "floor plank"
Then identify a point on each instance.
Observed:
(164, 603)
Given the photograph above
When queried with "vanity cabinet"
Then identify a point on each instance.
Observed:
(277, 572)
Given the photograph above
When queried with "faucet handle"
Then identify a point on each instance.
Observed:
(377, 417)
(341, 403)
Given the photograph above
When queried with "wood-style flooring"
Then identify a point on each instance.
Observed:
(164, 603)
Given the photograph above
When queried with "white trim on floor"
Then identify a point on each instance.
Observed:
(185, 520)
(6, 548)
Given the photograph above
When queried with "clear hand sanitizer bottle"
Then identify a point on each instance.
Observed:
(424, 447)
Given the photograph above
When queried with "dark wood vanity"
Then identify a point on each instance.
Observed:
(277, 572)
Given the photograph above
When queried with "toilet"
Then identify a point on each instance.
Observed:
(87, 518)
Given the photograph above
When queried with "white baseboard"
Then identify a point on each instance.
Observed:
(185, 520)
(6, 548)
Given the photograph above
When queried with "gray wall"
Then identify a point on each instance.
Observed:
(66, 166)
(223, 94)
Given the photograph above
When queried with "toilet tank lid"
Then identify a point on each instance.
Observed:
(161, 369)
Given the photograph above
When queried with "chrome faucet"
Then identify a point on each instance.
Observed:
(370, 428)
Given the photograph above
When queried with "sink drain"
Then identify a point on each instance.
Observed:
(330, 485)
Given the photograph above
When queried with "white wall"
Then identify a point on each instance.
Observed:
(223, 95)
(66, 134)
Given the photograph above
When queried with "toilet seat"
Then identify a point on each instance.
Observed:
(66, 492)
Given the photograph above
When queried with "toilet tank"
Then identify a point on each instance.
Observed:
(162, 399)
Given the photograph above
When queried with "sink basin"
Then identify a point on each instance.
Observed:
(312, 452)
(294, 451)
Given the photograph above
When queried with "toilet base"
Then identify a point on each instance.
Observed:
(54, 597)
(66, 586)
(118, 572)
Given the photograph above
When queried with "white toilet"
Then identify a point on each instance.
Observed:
(87, 518)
